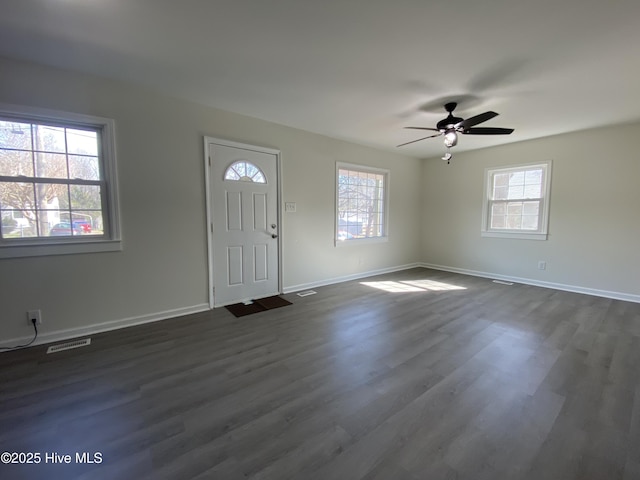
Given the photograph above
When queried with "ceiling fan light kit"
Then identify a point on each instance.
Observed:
(450, 138)
(451, 126)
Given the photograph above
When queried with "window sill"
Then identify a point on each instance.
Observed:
(40, 250)
(515, 235)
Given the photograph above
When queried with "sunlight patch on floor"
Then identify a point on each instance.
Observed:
(412, 286)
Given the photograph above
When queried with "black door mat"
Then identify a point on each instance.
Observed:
(240, 309)
(272, 302)
(260, 305)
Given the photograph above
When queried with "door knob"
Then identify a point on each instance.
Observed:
(274, 235)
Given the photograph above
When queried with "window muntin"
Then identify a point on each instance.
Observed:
(361, 199)
(57, 182)
(243, 171)
(516, 201)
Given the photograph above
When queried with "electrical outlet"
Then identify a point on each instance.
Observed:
(542, 265)
(34, 314)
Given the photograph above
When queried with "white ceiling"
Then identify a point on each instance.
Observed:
(359, 70)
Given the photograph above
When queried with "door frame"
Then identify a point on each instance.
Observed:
(210, 226)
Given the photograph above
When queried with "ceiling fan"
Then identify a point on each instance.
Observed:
(451, 126)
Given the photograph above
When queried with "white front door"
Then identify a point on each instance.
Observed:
(245, 225)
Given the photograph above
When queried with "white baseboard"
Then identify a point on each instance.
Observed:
(628, 297)
(67, 334)
(346, 278)
(58, 335)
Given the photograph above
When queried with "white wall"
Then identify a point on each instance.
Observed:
(594, 220)
(162, 268)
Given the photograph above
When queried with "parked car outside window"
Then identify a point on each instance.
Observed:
(64, 229)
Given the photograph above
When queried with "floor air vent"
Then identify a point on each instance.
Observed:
(69, 345)
(306, 293)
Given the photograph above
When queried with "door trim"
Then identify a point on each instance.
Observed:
(209, 201)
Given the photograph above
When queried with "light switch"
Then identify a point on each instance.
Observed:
(290, 207)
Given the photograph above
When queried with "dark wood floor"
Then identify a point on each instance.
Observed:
(443, 377)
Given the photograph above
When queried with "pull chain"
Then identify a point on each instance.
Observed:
(448, 156)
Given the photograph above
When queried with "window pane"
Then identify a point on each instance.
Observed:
(514, 215)
(501, 179)
(63, 229)
(498, 209)
(85, 197)
(533, 191)
(82, 142)
(250, 169)
(15, 135)
(16, 195)
(516, 178)
(501, 193)
(87, 222)
(48, 138)
(18, 224)
(533, 176)
(85, 168)
(51, 165)
(514, 222)
(499, 221)
(16, 162)
(516, 191)
(369, 191)
(514, 208)
(531, 208)
(231, 175)
(529, 222)
(52, 196)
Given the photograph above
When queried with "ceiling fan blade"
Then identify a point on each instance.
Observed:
(488, 131)
(471, 121)
(423, 138)
(423, 128)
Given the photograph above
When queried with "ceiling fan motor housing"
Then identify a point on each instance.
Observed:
(448, 123)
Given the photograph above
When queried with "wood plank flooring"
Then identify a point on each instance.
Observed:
(413, 375)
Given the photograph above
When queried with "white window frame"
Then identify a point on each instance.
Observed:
(111, 240)
(385, 221)
(543, 212)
